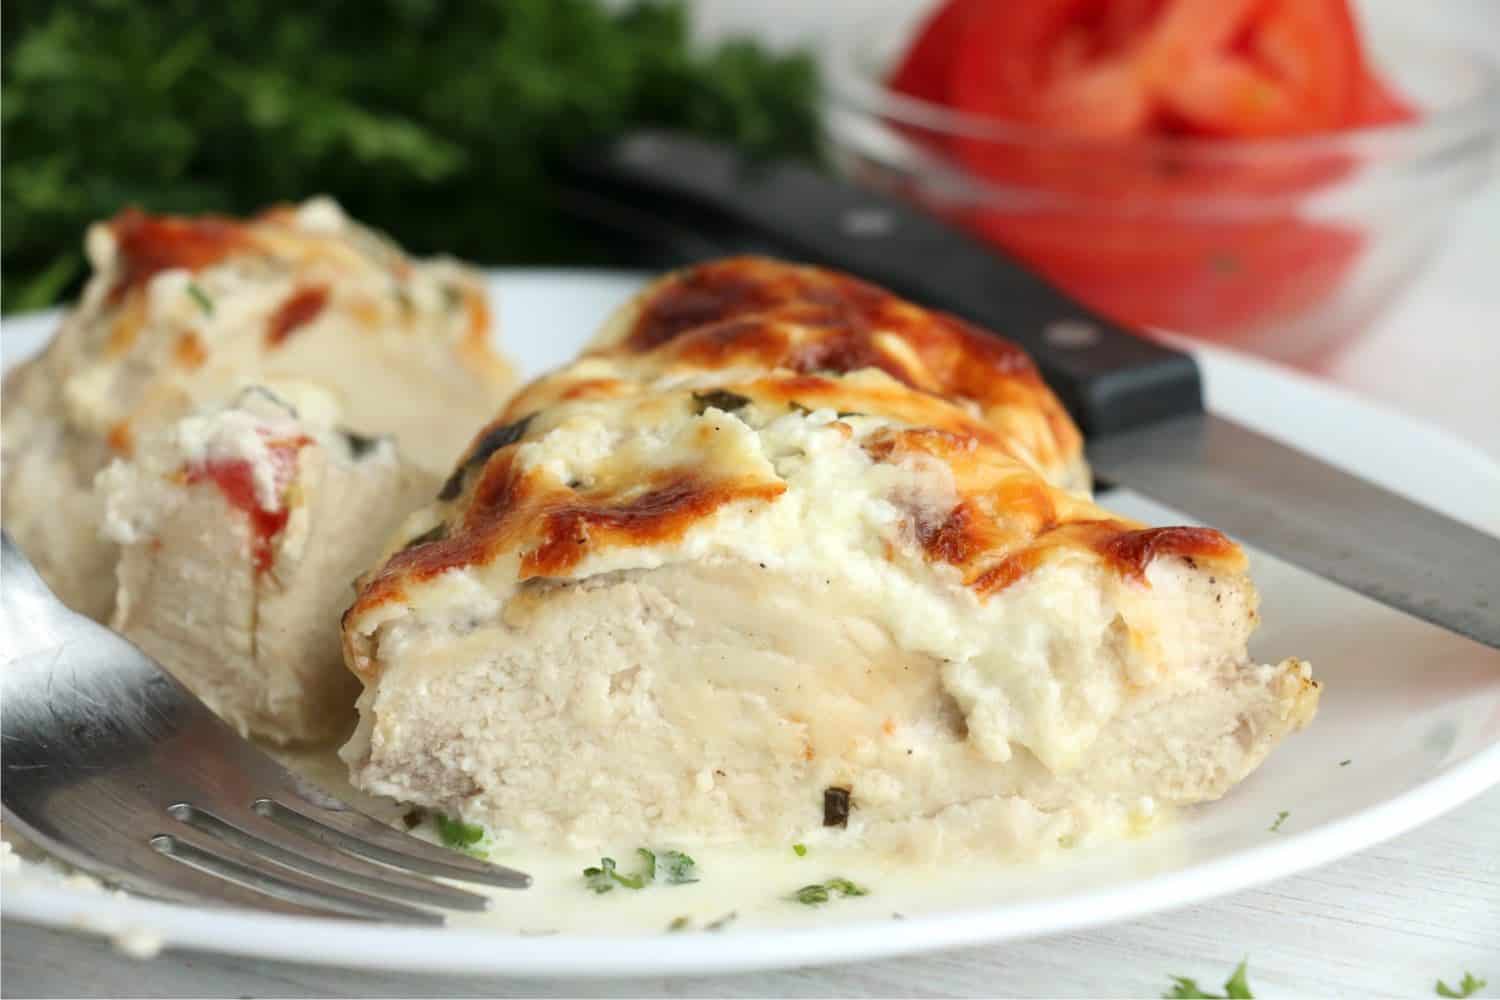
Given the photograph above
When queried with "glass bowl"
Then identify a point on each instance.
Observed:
(1285, 247)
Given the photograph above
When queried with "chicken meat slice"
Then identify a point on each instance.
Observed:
(240, 533)
(184, 312)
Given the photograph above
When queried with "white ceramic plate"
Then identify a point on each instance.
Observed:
(1413, 711)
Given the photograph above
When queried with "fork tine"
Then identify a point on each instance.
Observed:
(147, 872)
(359, 834)
(248, 830)
(232, 865)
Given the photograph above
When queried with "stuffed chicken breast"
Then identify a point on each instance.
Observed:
(184, 312)
(746, 600)
(240, 532)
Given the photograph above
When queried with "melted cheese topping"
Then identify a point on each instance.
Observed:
(736, 318)
(184, 311)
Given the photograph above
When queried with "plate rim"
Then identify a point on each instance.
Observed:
(463, 950)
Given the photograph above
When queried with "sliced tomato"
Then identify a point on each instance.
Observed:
(924, 71)
(1216, 279)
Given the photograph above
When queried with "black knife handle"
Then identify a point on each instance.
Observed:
(1109, 378)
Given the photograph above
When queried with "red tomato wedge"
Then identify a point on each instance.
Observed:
(923, 73)
(1119, 222)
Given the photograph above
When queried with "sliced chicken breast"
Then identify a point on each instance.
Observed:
(745, 606)
(240, 533)
(183, 313)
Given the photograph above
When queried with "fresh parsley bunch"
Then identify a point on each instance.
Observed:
(433, 120)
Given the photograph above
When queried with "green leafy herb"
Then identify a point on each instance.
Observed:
(429, 120)
(800, 850)
(681, 869)
(1280, 819)
(1345, 763)
(811, 895)
(201, 297)
(1236, 987)
(600, 878)
(821, 892)
(604, 878)
(1467, 988)
(678, 924)
(719, 399)
(457, 834)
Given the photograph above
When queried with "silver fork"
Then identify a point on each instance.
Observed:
(113, 766)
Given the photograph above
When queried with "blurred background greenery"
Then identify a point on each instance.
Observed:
(433, 120)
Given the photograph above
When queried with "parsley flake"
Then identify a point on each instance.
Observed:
(201, 297)
(800, 850)
(678, 924)
(603, 878)
(1467, 988)
(1236, 987)
(819, 893)
(1346, 763)
(457, 834)
(681, 869)
(677, 868)
(1280, 819)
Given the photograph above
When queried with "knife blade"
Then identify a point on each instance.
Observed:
(1138, 402)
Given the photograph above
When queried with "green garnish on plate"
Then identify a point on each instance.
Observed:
(675, 868)
(1466, 988)
(1236, 987)
(457, 834)
(819, 893)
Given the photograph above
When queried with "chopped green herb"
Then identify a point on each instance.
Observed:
(800, 850)
(603, 878)
(457, 834)
(1345, 763)
(821, 892)
(1280, 819)
(201, 297)
(1236, 987)
(1066, 842)
(719, 399)
(678, 924)
(811, 895)
(844, 887)
(849, 413)
(1467, 988)
(681, 869)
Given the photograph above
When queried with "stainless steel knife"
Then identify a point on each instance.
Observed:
(669, 199)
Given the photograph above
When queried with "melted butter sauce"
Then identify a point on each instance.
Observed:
(751, 888)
